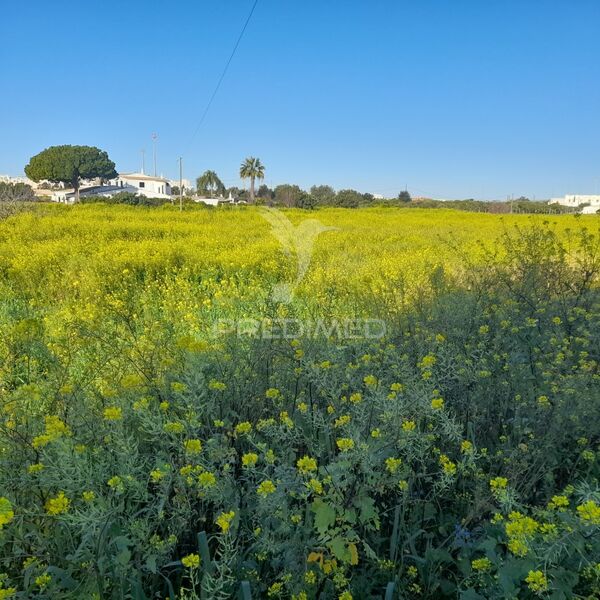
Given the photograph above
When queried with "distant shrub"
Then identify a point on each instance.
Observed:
(16, 192)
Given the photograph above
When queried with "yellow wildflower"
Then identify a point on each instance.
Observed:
(559, 503)
(224, 520)
(536, 581)
(481, 564)
(447, 465)
(310, 577)
(315, 485)
(265, 488)
(356, 398)
(206, 479)
(392, 464)
(42, 581)
(345, 444)
(191, 561)
(466, 447)
(113, 413)
(174, 427)
(213, 384)
(249, 459)
(498, 483)
(306, 465)
(341, 421)
(285, 419)
(57, 505)
(370, 380)
(193, 446)
(88, 496)
(243, 428)
(589, 513)
(6, 512)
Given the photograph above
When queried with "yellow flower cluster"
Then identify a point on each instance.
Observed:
(345, 444)
(306, 465)
(191, 561)
(113, 413)
(286, 420)
(207, 480)
(481, 564)
(589, 513)
(342, 421)
(57, 505)
(54, 429)
(315, 486)
(265, 488)
(520, 529)
(224, 520)
(392, 464)
(356, 398)
(192, 446)
(536, 581)
(249, 460)
(6, 512)
(448, 466)
(559, 503)
(243, 428)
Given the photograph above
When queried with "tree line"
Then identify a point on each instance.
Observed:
(71, 164)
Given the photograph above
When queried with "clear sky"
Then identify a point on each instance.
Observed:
(452, 98)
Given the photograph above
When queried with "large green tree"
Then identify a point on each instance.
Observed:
(288, 195)
(70, 164)
(348, 198)
(324, 194)
(209, 183)
(252, 169)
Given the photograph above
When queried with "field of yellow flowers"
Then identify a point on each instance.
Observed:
(338, 404)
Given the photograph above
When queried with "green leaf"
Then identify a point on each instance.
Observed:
(324, 515)
(339, 549)
(366, 506)
(151, 563)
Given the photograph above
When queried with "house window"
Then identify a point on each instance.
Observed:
(142, 184)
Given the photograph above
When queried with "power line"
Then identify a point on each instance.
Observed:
(212, 97)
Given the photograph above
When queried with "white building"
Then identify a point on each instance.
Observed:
(147, 185)
(591, 202)
(134, 183)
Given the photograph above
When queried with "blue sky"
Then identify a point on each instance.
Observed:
(454, 99)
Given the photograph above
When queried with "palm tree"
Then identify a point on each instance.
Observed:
(252, 169)
(209, 182)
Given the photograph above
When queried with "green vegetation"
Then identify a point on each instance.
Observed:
(160, 435)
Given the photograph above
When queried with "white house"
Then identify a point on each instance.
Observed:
(591, 202)
(134, 183)
(148, 185)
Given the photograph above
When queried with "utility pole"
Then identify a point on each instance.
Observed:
(143, 160)
(180, 183)
(154, 137)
